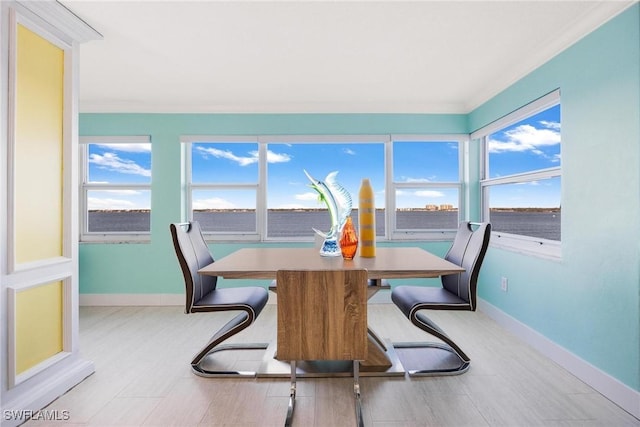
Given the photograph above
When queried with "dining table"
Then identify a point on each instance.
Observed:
(389, 263)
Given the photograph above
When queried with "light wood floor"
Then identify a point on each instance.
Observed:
(143, 378)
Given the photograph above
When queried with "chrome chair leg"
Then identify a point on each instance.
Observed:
(292, 396)
(356, 393)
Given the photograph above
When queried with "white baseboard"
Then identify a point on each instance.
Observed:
(614, 390)
(131, 299)
(25, 404)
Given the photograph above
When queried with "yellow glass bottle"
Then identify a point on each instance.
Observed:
(367, 220)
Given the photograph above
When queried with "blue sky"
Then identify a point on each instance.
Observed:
(288, 186)
(119, 164)
(525, 146)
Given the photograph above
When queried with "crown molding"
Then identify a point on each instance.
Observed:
(61, 18)
(583, 24)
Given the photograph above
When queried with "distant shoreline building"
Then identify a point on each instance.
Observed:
(443, 207)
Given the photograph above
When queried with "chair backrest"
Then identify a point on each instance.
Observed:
(193, 254)
(467, 251)
(322, 314)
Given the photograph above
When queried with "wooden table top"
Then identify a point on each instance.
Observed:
(389, 263)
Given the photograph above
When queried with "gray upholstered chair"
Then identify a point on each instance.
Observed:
(202, 295)
(458, 292)
(322, 315)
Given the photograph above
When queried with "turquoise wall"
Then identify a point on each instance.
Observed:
(588, 302)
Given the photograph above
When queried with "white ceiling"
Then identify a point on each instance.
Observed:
(319, 56)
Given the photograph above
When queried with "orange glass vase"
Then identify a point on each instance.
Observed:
(348, 240)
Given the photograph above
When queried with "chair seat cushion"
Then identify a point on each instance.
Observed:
(252, 298)
(413, 298)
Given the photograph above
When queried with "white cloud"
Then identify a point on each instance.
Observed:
(305, 197)
(122, 192)
(421, 193)
(213, 203)
(111, 162)
(117, 199)
(429, 193)
(550, 125)
(276, 158)
(252, 158)
(110, 204)
(526, 138)
(349, 151)
(418, 180)
(226, 154)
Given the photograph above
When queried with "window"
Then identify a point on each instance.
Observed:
(522, 176)
(293, 207)
(115, 197)
(223, 186)
(255, 187)
(426, 185)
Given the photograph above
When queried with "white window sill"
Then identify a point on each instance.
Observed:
(542, 248)
(115, 238)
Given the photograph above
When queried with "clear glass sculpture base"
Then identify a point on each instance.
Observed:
(330, 247)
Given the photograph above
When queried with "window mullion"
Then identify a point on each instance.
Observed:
(186, 176)
(524, 177)
(261, 194)
(101, 186)
(390, 191)
(84, 173)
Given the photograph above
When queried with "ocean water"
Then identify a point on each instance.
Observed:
(285, 223)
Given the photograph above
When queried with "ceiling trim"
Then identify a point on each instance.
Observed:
(581, 26)
(62, 18)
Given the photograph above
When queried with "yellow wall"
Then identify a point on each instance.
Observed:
(39, 324)
(38, 148)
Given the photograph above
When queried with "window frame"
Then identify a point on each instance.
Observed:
(302, 140)
(261, 186)
(545, 248)
(393, 186)
(85, 187)
(186, 141)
